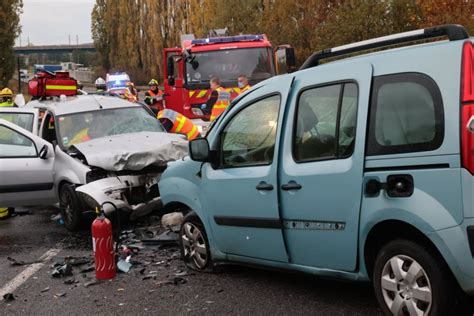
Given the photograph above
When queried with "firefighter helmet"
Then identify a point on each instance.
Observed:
(153, 82)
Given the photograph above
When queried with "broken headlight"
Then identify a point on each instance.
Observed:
(95, 174)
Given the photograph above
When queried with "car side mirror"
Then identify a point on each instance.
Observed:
(43, 154)
(199, 150)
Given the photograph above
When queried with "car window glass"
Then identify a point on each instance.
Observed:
(80, 127)
(24, 120)
(406, 115)
(249, 138)
(14, 144)
(348, 119)
(325, 123)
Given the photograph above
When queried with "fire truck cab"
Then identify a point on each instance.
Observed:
(188, 69)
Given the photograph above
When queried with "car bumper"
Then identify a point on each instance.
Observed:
(111, 193)
(455, 246)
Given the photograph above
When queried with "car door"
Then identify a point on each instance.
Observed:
(241, 196)
(26, 168)
(321, 173)
(26, 118)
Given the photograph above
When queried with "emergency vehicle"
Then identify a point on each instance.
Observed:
(188, 69)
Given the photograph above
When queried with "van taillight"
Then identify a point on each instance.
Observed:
(467, 110)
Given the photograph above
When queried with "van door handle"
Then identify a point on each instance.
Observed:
(292, 185)
(263, 186)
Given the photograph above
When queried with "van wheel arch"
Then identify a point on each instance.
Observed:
(177, 207)
(387, 231)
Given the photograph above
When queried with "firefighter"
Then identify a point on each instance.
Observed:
(100, 85)
(154, 96)
(129, 96)
(175, 122)
(6, 98)
(133, 90)
(219, 99)
(243, 83)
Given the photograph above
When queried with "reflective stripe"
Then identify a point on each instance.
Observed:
(193, 133)
(3, 212)
(219, 106)
(53, 87)
(237, 90)
(181, 119)
(202, 94)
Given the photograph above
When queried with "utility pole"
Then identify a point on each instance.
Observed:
(19, 73)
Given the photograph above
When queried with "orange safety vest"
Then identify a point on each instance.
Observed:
(181, 124)
(223, 101)
(247, 87)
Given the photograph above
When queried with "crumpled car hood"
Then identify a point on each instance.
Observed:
(133, 151)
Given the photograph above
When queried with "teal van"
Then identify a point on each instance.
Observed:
(360, 168)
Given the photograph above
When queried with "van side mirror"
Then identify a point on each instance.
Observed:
(199, 150)
(170, 70)
(43, 154)
(285, 59)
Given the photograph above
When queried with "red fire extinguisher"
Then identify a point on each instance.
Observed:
(103, 245)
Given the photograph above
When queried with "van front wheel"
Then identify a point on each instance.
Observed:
(194, 244)
(409, 280)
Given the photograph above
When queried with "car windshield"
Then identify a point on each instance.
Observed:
(80, 127)
(227, 65)
(24, 120)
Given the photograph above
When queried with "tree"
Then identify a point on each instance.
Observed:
(100, 32)
(9, 31)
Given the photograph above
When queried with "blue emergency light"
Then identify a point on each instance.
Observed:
(227, 39)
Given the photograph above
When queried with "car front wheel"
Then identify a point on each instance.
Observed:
(410, 280)
(194, 244)
(70, 206)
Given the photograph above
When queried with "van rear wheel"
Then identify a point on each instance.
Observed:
(410, 280)
(194, 244)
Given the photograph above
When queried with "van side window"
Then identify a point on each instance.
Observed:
(406, 115)
(325, 123)
(249, 138)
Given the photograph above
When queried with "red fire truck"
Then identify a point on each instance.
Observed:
(188, 69)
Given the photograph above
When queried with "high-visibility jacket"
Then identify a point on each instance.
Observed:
(80, 137)
(247, 87)
(181, 124)
(7, 104)
(223, 101)
(4, 212)
(150, 94)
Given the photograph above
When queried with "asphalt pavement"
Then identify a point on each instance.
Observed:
(158, 282)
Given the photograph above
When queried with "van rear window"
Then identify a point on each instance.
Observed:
(406, 115)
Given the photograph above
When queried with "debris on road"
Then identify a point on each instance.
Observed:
(172, 219)
(15, 262)
(61, 270)
(91, 283)
(45, 290)
(8, 297)
(124, 266)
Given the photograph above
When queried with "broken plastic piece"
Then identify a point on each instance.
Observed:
(8, 297)
(124, 266)
(61, 271)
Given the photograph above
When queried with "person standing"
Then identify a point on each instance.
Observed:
(6, 98)
(219, 99)
(154, 96)
(243, 82)
(100, 85)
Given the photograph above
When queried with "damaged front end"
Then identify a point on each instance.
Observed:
(125, 169)
(137, 194)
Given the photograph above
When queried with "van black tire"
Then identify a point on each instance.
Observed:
(434, 275)
(192, 239)
(71, 207)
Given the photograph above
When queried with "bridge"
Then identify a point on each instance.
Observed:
(44, 49)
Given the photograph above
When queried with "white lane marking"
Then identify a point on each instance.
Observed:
(28, 272)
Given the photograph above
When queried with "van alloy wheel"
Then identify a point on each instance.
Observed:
(406, 287)
(194, 245)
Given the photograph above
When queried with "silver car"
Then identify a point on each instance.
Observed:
(104, 151)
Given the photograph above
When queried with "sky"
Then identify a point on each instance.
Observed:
(48, 22)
